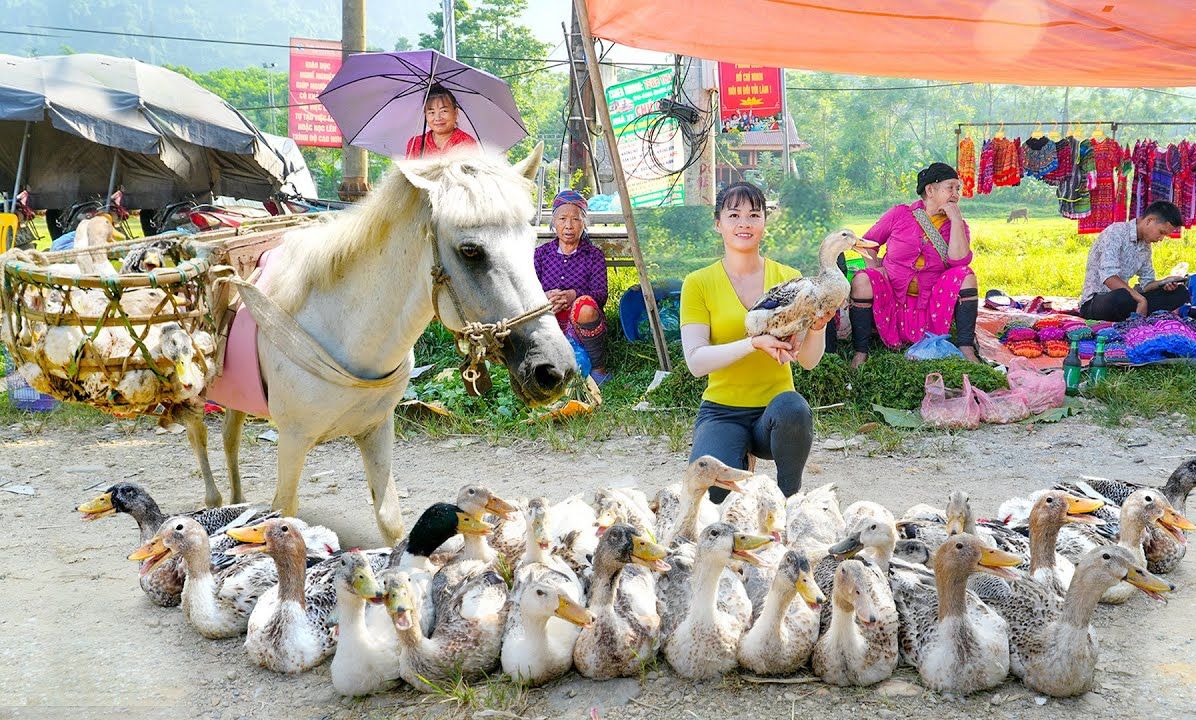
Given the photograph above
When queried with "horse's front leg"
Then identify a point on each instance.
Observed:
(292, 451)
(197, 435)
(376, 445)
(234, 421)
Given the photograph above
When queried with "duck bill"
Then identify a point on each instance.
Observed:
(469, 525)
(573, 612)
(649, 554)
(808, 589)
(1079, 510)
(97, 508)
(151, 555)
(500, 507)
(745, 545)
(771, 529)
(1175, 525)
(252, 539)
(180, 368)
(728, 478)
(997, 562)
(847, 548)
(1148, 583)
(864, 244)
(399, 603)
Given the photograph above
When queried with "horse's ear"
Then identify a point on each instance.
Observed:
(411, 171)
(530, 165)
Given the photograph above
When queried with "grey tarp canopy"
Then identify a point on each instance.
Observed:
(166, 136)
(296, 175)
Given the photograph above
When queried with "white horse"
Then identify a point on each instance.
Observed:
(361, 286)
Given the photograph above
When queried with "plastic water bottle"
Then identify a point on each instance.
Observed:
(1073, 370)
(1097, 368)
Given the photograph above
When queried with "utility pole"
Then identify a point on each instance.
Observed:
(354, 161)
(450, 28)
(581, 109)
(269, 67)
(785, 120)
(699, 176)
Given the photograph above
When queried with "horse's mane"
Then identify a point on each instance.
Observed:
(470, 191)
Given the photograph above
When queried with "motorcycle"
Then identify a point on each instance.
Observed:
(86, 209)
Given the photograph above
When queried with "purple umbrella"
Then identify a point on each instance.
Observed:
(377, 99)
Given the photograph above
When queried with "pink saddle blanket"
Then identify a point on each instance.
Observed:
(239, 386)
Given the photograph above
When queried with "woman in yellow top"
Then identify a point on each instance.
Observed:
(750, 405)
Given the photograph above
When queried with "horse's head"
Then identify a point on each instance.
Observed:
(480, 222)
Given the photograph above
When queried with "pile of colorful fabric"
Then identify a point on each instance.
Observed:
(1052, 336)
(1162, 336)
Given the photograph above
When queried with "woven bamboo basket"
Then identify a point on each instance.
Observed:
(109, 326)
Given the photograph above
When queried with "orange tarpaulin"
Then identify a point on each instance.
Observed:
(1102, 43)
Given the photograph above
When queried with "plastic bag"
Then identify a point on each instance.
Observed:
(1001, 406)
(932, 347)
(579, 353)
(669, 308)
(943, 408)
(1040, 390)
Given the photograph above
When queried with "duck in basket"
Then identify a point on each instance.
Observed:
(792, 307)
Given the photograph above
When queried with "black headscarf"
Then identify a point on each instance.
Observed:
(936, 172)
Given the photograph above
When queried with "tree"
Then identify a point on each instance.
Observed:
(403, 44)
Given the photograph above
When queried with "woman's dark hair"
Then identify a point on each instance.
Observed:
(439, 91)
(734, 194)
(1166, 211)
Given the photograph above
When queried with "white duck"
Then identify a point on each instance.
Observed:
(783, 635)
(364, 662)
(704, 642)
(813, 521)
(793, 306)
(860, 646)
(682, 508)
(217, 604)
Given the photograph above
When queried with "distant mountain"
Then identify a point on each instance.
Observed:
(258, 21)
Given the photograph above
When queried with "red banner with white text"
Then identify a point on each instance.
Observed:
(313, 63)
(749, 97)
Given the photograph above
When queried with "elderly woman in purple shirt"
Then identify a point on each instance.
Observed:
(572, 271)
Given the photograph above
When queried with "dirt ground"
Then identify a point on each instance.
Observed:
(78, 639)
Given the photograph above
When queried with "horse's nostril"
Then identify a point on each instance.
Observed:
(548, 376)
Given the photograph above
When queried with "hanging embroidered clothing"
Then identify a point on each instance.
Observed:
(1073, 190)
(1143, 160)
(1041, 158)
(1062, 164)
(984, 176)
(1102, 185)
(1006, 163)
(1185, 183)
(967, 165)
(1124, 169)
(1160, 178)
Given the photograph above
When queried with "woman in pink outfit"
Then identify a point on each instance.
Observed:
(923, 281)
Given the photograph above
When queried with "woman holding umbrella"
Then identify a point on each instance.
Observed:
(440, 117)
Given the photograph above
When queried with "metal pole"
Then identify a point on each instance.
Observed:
(785, 121)
(16, 184)
(450, 29)
(112, 179)
(612, 143)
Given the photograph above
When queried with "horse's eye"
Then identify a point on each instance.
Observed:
(178, 527)
(1106, 556)
(470, 251)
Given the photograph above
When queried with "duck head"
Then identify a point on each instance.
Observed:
(959, 513)
(1056, 508)
(353, 574)
(708, 471)
(400, 600)
(478, 500)
(865, 532)
(1150, 507)
(120, 498)
(852, 592)
(794, 571)
(964, 554)
(438, 523)
(839, 241)
(179, 535)
(280, 538)
(1112, 564)
(537, 523)
(721, 541)
(623, 544)
(542, 601)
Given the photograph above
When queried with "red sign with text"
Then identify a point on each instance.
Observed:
(313, 63)
(749, 97)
